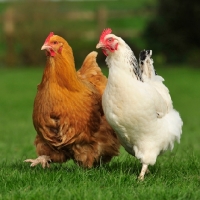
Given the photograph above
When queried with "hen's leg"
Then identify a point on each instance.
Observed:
(46, 154)
(43, 160)
(143, 171)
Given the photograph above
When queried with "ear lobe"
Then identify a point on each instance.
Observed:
(60, 49)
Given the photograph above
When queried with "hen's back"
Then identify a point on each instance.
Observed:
(91, 72)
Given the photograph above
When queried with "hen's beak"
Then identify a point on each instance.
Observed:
(45, 46)
(99, 45)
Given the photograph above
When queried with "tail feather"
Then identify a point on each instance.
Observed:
(91, 72)
(146, 66)
(149, 75)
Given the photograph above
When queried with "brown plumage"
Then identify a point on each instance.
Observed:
(67, 113)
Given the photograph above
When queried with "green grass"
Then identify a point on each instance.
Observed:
(175, 175)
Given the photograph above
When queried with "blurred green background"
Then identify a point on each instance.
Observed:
(170, 29)
(26, 24)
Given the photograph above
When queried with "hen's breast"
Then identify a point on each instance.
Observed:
(129, 109)
(59, 114)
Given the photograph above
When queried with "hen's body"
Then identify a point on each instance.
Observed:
(137, 105)
(135, 117)
(68, 115)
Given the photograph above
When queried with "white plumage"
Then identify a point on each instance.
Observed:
(137, 104)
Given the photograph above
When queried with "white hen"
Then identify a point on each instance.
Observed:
(136, 103)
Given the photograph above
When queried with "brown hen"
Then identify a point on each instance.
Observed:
(67, 113)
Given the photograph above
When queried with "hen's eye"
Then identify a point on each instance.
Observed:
(109, 39)
(55, 42)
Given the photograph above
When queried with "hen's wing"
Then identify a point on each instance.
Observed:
(162, 98)
(90, 71)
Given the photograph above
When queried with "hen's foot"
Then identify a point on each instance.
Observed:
(43, 160)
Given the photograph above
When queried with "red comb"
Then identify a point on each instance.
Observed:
(49, 36)
(105, 32)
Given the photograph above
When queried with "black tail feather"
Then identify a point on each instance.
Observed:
(143, 55)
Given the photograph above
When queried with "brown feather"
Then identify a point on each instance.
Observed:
(91, 72)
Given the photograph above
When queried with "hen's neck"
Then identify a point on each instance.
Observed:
(61, 70)
(125, 60)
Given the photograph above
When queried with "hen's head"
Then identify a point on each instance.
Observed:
(54, 44)
(109, 42)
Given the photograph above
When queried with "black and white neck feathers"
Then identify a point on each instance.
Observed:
(124, 58)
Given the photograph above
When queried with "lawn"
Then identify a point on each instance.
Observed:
(175, 175)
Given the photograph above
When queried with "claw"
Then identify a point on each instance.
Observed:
(43, 160)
